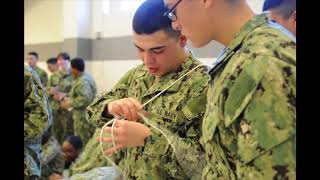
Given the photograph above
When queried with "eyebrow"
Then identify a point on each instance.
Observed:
(154, 48)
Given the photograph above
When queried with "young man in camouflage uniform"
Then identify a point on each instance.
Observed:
(37, 118)
(33, 59)
(178, 111)
(249, 129)
(56, 127)
(52, 64)
(62, 122)
(82, 93)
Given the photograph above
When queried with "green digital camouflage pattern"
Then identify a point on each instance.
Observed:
(82, 93)
(51, 158)
(250, 121)
(179, 111)
(37, 118)
(53, 82)
(99, 173)
(90, 158)
(63, 122)
(42, 74)
(56, 126)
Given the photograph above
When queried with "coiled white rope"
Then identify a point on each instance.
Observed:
(146, 120)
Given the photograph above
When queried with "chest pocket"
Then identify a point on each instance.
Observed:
(163, 117)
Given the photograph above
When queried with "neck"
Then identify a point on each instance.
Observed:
(233, 22)
(182, 56)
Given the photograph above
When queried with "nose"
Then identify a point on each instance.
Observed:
(60, 62)
(147, 58)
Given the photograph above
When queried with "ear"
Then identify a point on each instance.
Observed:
(183, 40)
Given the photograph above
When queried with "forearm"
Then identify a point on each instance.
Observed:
(187, 151)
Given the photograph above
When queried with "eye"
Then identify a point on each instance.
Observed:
(158, 51)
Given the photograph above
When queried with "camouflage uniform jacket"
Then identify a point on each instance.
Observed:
(37, 118)
(51, 159)
(82, 93)
(42, 74)
(178, 111)
(53, 82)
(248, 130)
(65, 81)
(90, 158)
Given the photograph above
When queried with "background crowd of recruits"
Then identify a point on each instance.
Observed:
(234, 120)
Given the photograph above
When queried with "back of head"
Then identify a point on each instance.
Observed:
(52, 61)
(78, 63)
(283, 8)
(75, 141)
(149, 18)
(63, 55)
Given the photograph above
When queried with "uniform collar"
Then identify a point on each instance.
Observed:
(249, 26)
(235, 44)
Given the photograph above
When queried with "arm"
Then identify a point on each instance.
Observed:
(187, 150)
(49, 151)
(267, 128)
(81, 96)
(96, 111)
(184, 142)
(37, 112)
(44, 78)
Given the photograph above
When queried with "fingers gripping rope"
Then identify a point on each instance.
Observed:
(113, 121)
(101, 147)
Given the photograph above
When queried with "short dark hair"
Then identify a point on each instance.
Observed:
(78, 63)
(34, 54)
(64, 55)
(75, 141)
(52, 60)
(149, 18)
(283, 8)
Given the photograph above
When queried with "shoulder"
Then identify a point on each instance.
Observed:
(198, 79)
(268, 41)
(40, 71)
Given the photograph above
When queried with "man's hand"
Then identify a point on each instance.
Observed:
(126, 134)
(55, 176)
(126, 107)
(53, 90)
(58, 95)
(66, 103)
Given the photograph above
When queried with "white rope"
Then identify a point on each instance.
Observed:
(114, 120)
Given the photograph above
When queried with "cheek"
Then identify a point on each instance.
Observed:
(163, 60)
(140, 56)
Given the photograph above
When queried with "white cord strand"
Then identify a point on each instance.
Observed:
(113, 121)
